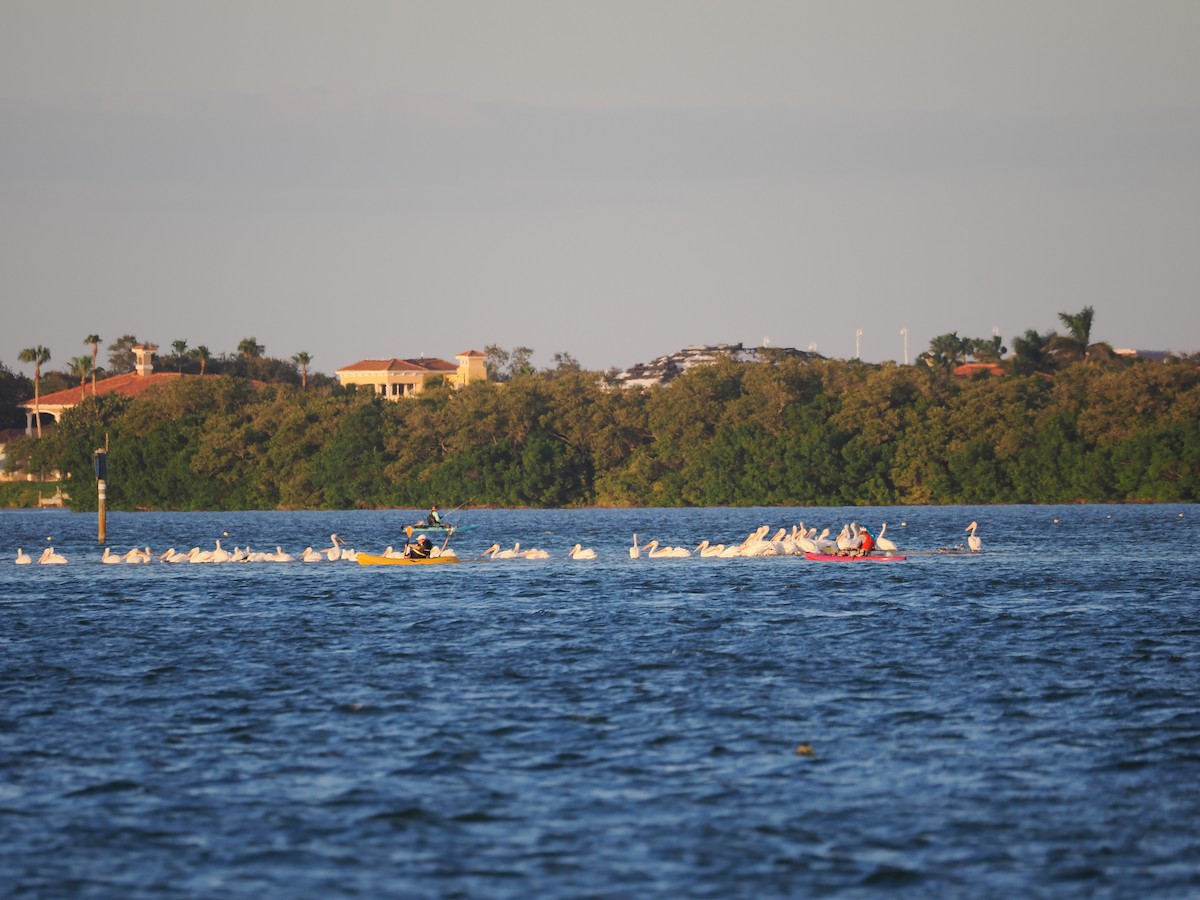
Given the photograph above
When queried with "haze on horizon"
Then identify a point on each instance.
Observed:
(612, 180)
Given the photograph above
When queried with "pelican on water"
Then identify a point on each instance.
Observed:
(635, 551)
(50, 558)
(496, 553)
(23, 558)
(973, 541)
(109, 557)
(882, 543)
(580, 552)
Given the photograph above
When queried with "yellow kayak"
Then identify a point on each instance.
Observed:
(367, 559)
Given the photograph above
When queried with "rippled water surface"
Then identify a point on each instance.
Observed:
(1024, 721)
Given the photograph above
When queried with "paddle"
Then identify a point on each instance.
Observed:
(449, 531)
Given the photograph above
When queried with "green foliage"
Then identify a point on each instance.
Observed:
(791, 432)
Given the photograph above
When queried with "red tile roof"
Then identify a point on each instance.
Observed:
(424, 364)
(128, 385)
(967, 370)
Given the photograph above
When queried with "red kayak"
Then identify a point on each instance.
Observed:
(836, 557)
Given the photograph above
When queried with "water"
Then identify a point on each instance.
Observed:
(1019, 722)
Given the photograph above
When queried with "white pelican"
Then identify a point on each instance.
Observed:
(704, 548)
(535, 554)
(883, 543)
(281, 555)
(109, 557)
(220, 554)
(806, 544)
(136, 555)
(973, 541)
(579, 552)
(50, 558)
(496, 553)
(755, 545)
(334, 553)
(311, 555)
(196, 555)
(844, 540)
(635, 551)
(172, 555)
(823, 542)
(653, 551)
(23, 558)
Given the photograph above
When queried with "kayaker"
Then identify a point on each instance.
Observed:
(421, 549)
(867, 543)
(435, 517)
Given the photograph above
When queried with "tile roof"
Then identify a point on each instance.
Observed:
(966, 370)
(424, 364)
(128, 385)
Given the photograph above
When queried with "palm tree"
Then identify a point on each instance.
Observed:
(946, 350)
(1080, 326)
(1074, 346)
(201, 353)
(94, 340)
(302, 359)
(39, 356)
(180, 348)
(81, 367)
(250, 348)
(1030, 353)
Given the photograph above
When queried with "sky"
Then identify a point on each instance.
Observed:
(615, 180)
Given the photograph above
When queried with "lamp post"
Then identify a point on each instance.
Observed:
(904, 331)
(857, 338)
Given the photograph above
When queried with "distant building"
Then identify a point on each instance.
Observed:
(971, 369)
(1152, 355)
(396, 378)
(667, 368)
(128, 385)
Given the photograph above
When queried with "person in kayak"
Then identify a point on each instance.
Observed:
(866, 543)
(435, 517)
(421, 549)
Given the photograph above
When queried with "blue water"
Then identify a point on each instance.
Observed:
(1020, 722)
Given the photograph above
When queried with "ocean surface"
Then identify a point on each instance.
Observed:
(1019, 722)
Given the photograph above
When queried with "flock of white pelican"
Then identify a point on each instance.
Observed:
(336, 551)
(783, 542)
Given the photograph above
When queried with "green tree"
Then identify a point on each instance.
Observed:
(302, 360)
(249, 348)
(121, 357)
(946, 351)
(201, 353)
(39, 356)
(180, 348)
(81, 367)
(94, 340)
(1080, 327)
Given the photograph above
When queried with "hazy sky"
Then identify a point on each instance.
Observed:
(615, 179)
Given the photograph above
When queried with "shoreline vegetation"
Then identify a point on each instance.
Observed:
(790, 432)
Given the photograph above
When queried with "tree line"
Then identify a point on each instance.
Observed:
(1071, 421)
(795, 432)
